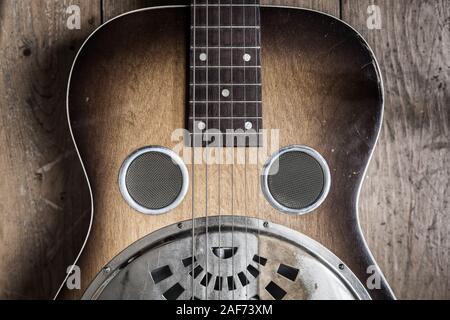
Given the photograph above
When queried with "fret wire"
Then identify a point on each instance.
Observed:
(227, 5)
(224, 67)
(226, 84)
(219, 27)
(221, 101)
(226, 133)
(226, 47)
(226, 118)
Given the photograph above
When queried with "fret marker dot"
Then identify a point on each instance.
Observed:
(203, 57)
(201, 125)
(248, 125)
(226, 93)
(247, 57)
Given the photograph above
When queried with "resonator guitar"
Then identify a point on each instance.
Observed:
(224, 144)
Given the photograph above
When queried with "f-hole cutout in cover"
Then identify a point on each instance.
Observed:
(224, 252)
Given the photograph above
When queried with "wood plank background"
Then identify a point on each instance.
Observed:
(404, 205)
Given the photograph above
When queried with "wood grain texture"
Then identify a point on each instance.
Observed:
(43, 207)
(331, 6)
(404, 203)
(113, 8)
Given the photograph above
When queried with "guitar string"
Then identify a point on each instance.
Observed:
(258, 138)
(220, 150)
(206, 149)
(234, 158)
(245, 149)
(207, 114)
(194, 48)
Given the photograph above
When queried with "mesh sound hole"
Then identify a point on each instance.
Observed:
(296, 180)
(154, 181)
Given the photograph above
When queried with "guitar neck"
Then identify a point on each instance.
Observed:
(225, 72)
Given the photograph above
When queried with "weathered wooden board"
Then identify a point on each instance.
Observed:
(112, 8)
(404, 204)
(42, 210)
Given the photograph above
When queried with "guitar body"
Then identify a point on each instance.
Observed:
(321, 88)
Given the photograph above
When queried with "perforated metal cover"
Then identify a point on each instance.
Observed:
(237, 259)
(153, 180)
(296, 179)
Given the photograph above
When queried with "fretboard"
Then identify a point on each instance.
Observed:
(225, 73)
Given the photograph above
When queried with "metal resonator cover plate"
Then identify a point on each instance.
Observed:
(237, 259)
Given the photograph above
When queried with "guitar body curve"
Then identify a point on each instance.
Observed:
(321, 88)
